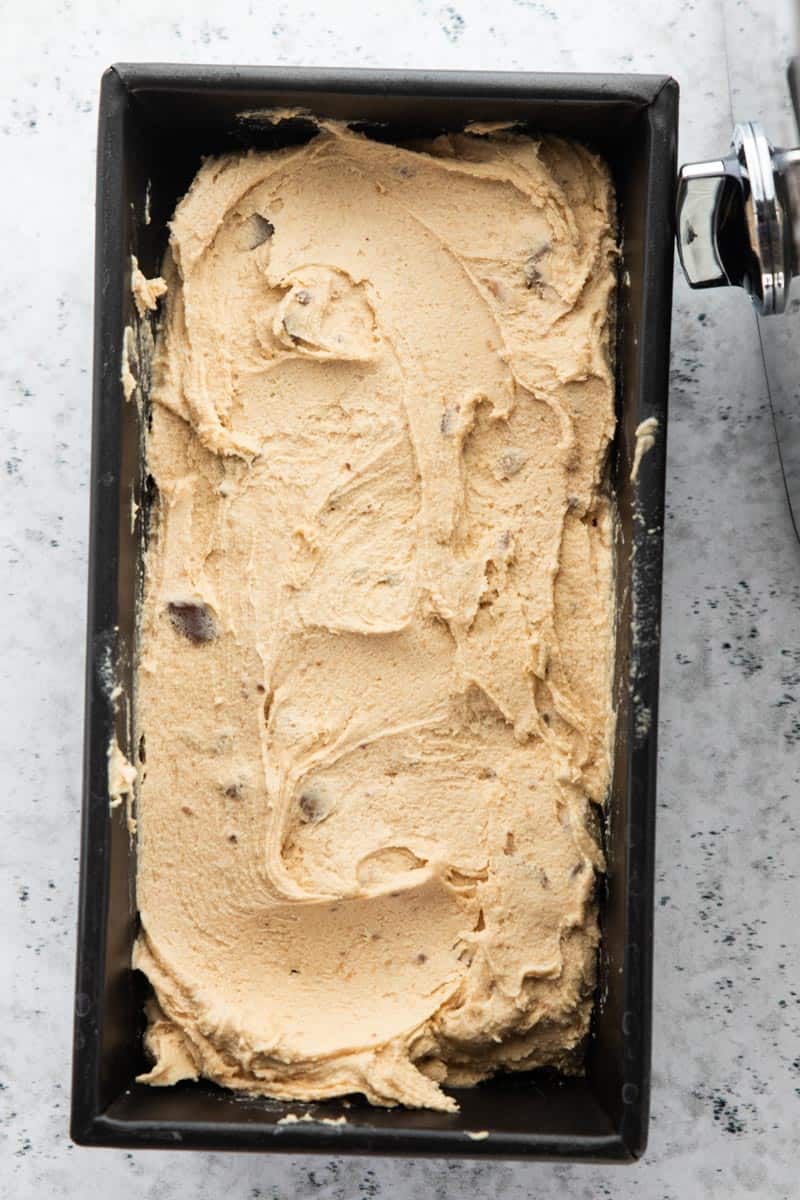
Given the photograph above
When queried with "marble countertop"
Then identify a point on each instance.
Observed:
(726, 1073)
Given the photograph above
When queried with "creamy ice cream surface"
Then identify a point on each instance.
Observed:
(374, 677)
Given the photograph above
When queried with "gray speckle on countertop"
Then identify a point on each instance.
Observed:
(726, 1077)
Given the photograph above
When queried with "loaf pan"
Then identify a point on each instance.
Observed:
(156, 123)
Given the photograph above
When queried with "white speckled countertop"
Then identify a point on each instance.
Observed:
(726, 1077)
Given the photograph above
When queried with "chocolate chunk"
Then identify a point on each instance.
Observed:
(262, 230)
(193, 621)
(314, 805)
(532, 276)
(531, 273)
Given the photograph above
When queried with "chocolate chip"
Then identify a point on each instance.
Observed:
(532, 275)
(422, 958)
(313, 805)
(234, 791)
(509, 847)
(193, 621)
(262, 230)
(303, 296)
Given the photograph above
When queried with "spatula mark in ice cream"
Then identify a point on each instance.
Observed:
(326, 314)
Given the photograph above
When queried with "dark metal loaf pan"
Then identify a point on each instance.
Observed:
(155, 124)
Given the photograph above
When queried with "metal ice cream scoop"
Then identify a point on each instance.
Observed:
(738, 224)
(738, 219)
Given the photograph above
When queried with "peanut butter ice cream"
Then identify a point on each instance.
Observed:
(374, 683)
